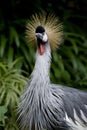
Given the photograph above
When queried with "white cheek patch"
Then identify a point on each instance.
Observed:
(45, 37)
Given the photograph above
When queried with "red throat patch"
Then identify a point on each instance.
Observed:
(41, 49)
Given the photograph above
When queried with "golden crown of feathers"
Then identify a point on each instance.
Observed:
(52, 27)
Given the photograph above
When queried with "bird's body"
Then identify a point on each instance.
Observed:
(46, 106)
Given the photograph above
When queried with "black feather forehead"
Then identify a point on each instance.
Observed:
(52, 27)
(39, 29)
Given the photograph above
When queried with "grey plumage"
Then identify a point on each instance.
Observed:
(48, 106)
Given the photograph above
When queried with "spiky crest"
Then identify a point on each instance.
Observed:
(52, 27)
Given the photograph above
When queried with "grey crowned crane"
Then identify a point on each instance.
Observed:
(43, 105)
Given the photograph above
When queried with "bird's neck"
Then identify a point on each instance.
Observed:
(40, 73)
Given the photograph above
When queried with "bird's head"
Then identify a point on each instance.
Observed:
(42, 29)
(42, 39)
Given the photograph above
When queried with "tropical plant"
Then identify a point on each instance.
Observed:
(3, 110)
(12, 83)
(13, 45)
(70, 65)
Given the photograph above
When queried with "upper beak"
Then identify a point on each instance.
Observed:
(39, 36)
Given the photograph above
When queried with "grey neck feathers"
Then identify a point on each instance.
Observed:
(33, 98)
(40, 75)
(37, 101)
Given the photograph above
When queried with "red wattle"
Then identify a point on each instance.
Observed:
(41, 49)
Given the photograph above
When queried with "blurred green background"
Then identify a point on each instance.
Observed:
(69, 62)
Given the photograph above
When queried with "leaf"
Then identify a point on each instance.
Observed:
(3, 41)
(10, 55)
(3, 110)
(14, 36)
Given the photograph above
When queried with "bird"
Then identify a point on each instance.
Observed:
(44, 105)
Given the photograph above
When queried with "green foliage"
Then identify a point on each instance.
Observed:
(12, 83)
(13, 45)
(69, 64)
(3, 110)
